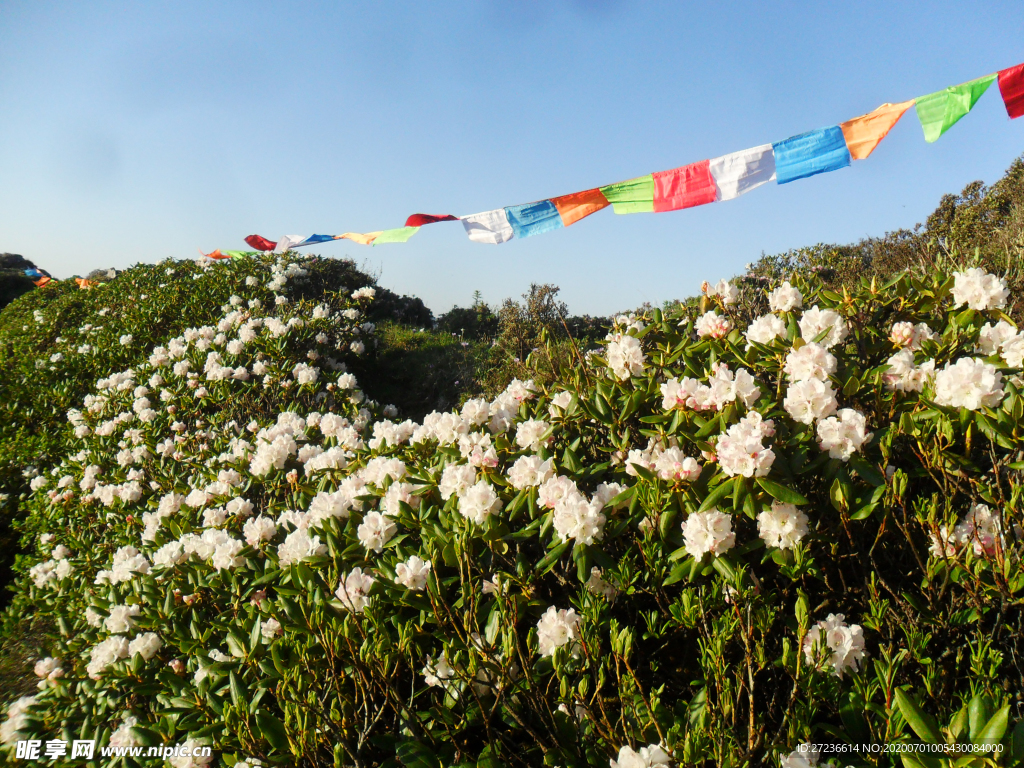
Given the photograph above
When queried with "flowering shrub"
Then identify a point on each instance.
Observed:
(713, 542)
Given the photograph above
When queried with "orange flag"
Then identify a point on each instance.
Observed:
(579, 205)
(83, 284)
(362, 239)
(863, 133)
(42, 281)
(214, 254)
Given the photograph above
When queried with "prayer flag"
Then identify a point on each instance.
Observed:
(399, 235)
(488, 227)
(633, 196)
(863, 133)
(314, 239)
(809, 154)
(1011, 88)
(533, 218)
(684, 187)
(939, 111)
(42, 281)
(357, 237)
(419, 219)
(83, 284)
(260, 243)
(579, 205)
(740, 172)
(288, 242)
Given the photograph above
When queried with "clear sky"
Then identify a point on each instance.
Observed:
(134, 131)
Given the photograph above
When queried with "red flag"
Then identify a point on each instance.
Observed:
(260, 243)
(684, 187)
(1011, 88)
(419, 219)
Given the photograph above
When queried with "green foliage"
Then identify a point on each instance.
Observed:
(277, 647)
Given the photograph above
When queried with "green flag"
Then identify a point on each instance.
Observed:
(633, 196)
(939, 111)
(399, 235)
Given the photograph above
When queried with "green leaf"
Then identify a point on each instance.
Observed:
(995, 728)
(712, 499)
(547, 562)
(781, 492)
(866, 471)
(921, 722)
(273, 731)
(413, 754)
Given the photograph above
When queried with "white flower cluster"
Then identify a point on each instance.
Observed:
(816, 321)
(1004, 340)
(713, 325)
(909, 335)
(969, 383)
(842, 644)
(576, 517)
(723, 387)
(557, 627)
(625, 357)
(724, 290)
(765, 329)
(981, 528)
(651, 756)
(785, 298)
(709, 531)
(844, 434)
(783, 526)
(741, 450)
(979, 290)
(903, 373)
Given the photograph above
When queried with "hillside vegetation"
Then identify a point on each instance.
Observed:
(267, 506)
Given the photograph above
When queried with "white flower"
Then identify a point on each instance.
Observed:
(436, 674)
(741, 450)
(375, 531)
(530, 471)
(978, 290)
(17, 720)
(903, 376)
(843, 436)
(479, 502)
(299, 545)
(726, 291)
(120, 618)
(810, 400)
(650, 756)
(270, 629)
(455, 480)
(816, 320)
(413, 573)
(804, 756)
(557, 627)
(559, 403)
(714, 325)
(765, 329)
(576, 518)
(811, 361)
(785, 298)
(625, 357)
(981, 528)
(146, 645)
(353, 591)
(672, 464)
(530, 433)
(106, 653)
(783, 526)
(969, 383)
(843, 644)
(122, 735)
(709, 531)
(904, 334)
(597, 585)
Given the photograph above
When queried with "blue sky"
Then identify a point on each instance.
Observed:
(135, 131)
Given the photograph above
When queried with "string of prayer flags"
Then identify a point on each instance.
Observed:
(940, 111)
(707, 181)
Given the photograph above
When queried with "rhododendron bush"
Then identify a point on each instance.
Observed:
(710, 542)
